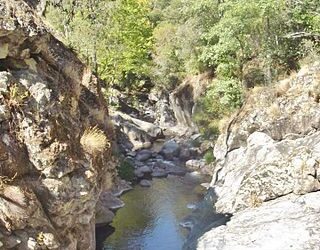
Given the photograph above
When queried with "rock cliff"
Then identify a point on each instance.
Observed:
(267, 169)
(55, 150)
(184, 98)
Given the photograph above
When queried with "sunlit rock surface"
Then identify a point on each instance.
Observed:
(267, 169)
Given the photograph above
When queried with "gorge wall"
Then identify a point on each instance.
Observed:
(267, 169)
(49, 181)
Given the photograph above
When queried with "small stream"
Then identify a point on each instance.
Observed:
(151, 217)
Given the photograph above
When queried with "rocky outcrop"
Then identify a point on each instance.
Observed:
(266, 170)
(161, 109)
(49, 181)
(286, 223)
(133, 133)
(183, 99)
(268, 166)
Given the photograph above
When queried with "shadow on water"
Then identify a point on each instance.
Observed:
(152, 217)
(204, 218)
(103, 232)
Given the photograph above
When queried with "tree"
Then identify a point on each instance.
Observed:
(126, 61)
(80, 24)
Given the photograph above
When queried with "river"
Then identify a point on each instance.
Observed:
(151, 217)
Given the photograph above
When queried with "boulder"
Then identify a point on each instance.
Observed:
(291, 222)
(138, 173)
(185, 154)
(135, 134)
(145, 183)
(103, 216)
(145, 169)
(144, 155)
(170, 149)
(109, 201)
(119, 187)
(267, 169)
(159, 173)
(195, 165)
(183, 99)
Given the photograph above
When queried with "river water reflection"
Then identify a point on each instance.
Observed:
(150, 219)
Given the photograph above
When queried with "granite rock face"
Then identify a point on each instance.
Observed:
(267, 169)
(135, 134)
(49, 184)
(184, 98)
(283, 224)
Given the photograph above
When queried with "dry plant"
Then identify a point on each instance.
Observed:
(274, 111)
(254, 200)
(40, 238)
(5, 180)
(94, 141)
(282, 87)
(16, 96)
(315, 89)
(260, 96)
(223, 123)
(257, 90)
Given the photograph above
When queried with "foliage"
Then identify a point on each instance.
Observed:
(127, 57)
(209, 157)
(135, 44)
(221, 98)
(126, 170)
(132, 42)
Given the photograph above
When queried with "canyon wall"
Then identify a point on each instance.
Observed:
(55, 138)
(267, 169)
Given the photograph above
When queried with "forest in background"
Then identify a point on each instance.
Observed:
(138, 44)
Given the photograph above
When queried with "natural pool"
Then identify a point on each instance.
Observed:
(150, 219)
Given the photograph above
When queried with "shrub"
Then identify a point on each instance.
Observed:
(221, 98)
(282, 87)
(209, 157)
(126, 170)
(229, 93)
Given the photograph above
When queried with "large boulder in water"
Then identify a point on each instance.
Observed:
(170, 149)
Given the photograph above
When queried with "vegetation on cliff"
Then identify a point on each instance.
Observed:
(134, 44)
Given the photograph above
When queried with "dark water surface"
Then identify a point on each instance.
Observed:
(150, 219)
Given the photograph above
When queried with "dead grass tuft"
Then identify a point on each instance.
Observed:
(223, 123)
(254, 200)
(4, 180)
(94, 141)
(315, 89)
(274, 111)
(16, 96)
(282, 87)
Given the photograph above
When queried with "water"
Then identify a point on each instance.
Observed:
(150, 219)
